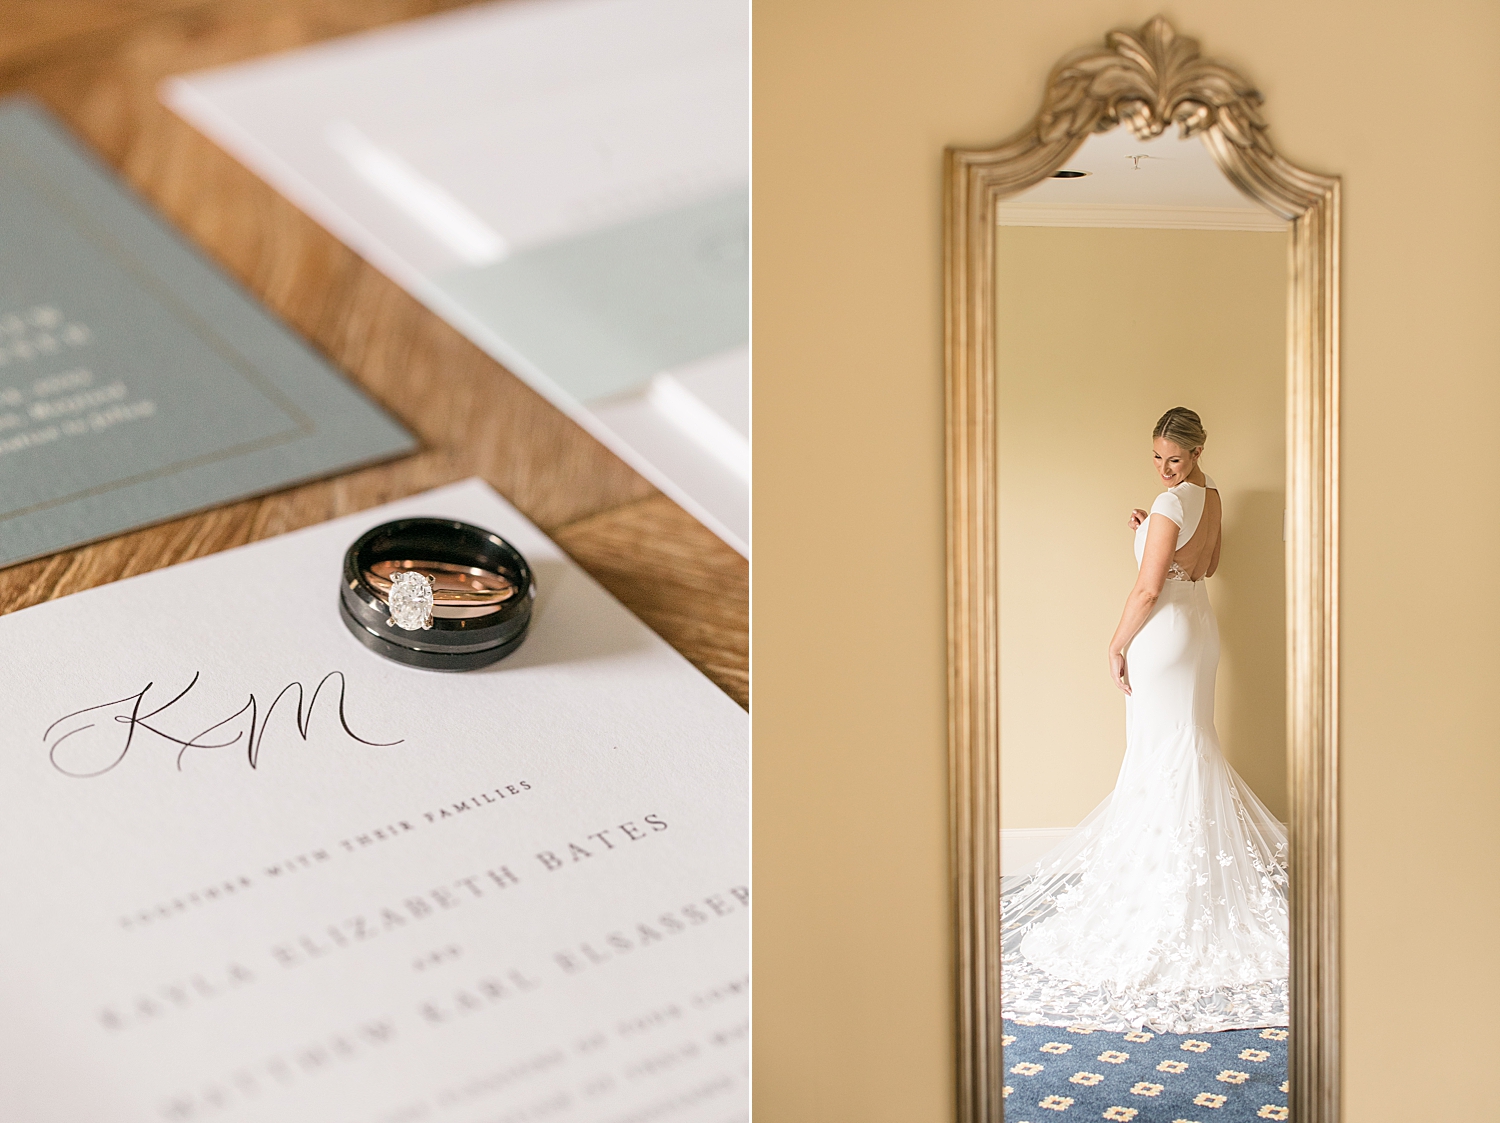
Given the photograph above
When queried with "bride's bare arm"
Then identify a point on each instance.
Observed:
(1161, 542)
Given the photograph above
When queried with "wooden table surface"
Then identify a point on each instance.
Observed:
(97, 64)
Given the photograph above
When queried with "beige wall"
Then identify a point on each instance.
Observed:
(1099, 332)
(854, 102)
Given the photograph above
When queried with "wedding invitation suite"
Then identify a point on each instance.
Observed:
(566, 182)
(137, 382)
(250, 870)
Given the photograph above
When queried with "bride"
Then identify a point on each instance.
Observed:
(1166, 908)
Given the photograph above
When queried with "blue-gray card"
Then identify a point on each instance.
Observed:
(137, 381)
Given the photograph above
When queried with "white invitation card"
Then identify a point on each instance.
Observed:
(250, 870)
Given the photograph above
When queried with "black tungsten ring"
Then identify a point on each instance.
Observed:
(436, 593)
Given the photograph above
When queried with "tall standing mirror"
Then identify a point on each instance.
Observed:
(1142, 364)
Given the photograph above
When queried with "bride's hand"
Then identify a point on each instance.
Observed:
(1119, 673)
(1137, 517)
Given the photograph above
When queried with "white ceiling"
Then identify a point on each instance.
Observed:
(1177, 184)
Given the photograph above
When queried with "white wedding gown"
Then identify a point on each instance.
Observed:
(1166, 908)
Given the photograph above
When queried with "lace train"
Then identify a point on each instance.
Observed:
(1033, 997)
(1166, 909)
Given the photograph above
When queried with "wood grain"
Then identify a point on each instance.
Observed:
(97, 65)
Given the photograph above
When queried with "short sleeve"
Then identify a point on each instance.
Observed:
(1169, 505)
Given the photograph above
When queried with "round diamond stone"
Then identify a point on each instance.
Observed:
(411, 601)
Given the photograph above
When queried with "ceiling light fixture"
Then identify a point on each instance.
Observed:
(1067, 174)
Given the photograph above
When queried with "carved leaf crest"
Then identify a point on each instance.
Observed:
(1148, 80)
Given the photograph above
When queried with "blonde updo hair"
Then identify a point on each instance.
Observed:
(1182, 427)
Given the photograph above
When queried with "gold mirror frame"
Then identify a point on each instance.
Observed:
(1145, 80)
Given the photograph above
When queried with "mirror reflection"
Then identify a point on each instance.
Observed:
(1141, 358)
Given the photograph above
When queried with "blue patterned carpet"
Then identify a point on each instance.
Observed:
(1057, 1075)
